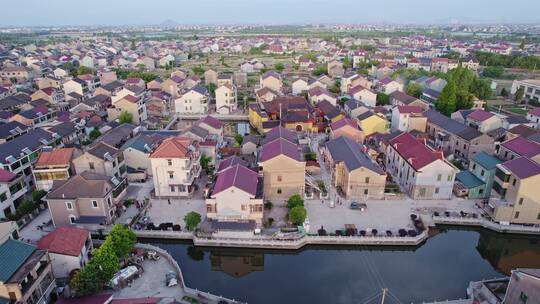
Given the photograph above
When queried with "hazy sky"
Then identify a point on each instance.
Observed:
(120, 12)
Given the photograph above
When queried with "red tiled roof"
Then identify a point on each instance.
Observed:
(6, 176)
(173, 147)
(414, 151)
(410, 109)
(64, 240)
(58, 157)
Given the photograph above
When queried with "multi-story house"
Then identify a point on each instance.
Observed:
(419, 170)
(531, 88)
(236, 195)
(354, 173)
(534, 117)
(87, 198)
(456, 138)
(53, 165)
(226, 99)
(34, 117)
(282, 166)
(192, 101)
(175, 167)
(50, 94)
(104, 159)
(19, 154)
(271, 80)
(11, 130)
(408, 118)
(137, 152)
(518, 146)
(516, 200)
(371, 122)
(477, 181)
(12, 190)
(348, 128)
(130, 104)
(69, 249)
(365, 95)
(480, 120)
(26, 276)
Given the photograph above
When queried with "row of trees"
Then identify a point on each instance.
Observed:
(463, 85)
(508, 61)
(124, 74)
(105, 261)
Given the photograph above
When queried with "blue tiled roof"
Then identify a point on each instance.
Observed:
(469, 180)
(487, 161)
(12, 255)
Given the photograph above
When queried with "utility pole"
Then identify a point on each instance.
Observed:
(383, 295)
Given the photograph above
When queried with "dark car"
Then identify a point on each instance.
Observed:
(358, 206)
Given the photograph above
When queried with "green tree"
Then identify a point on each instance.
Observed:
(320, 70)
(205, 163)
(414, 89)
(104, 262)
(37, 195)
(125, 117)
(520, 92)
(522, 44)
(279, 67)
(212, 89)
(192, 220)
(95, 133)
(446, 103)
(294, 201)
(82, 70)
(123, 240)
(239, 139)
(493, 71)
(383, 99)
(504, 92)
(347, 62)
(85, 282)
(198, 70)
(297, 215)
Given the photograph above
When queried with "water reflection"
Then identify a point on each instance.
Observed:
(439, 269)
(507, 252)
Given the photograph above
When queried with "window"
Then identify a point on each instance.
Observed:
(171, 174)
(422, 192)
(482, 172)
(94, 204)
(514, 182)
(516, 215)
(439, 177)
(279, 191)
(279, 178)
(244, 207)
(480, 191)
(366, 191)
(520, 202)
(91, 166)
(109, 201)
(172, 188)
(72, 219)
(436, 190)
(474, 166)
(538, 217)
(3, 197)
(367, 179)
(449, 177)
(69, 206)
(169, 162)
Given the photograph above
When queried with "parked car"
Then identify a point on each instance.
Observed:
(358, 206)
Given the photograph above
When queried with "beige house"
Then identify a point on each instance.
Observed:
(408, 118)
(354, 173)
(210, 76)
(53, 165)
(130, 104)
(515, 197)
(365, 95)
(192, 101)
(175, 167)
(86, 198)
(271, 80)
(283, 169)
(236, 195)
(335, 68)
(348, 128)
(226, 99)
(103, 159)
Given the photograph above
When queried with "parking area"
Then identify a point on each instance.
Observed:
(380, 215)
(161, 211)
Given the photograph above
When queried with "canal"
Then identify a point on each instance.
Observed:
(439, 269)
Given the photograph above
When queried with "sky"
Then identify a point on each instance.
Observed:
(146, 12)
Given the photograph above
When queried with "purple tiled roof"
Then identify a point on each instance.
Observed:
(236, 176)
(535, 111)
(278, 147)
(522, 167)
(480, 115)
(280, 132)
(229, 162)
(343, 122)
(522, 146)
(212, 121)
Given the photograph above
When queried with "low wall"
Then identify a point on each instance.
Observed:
(481, 222)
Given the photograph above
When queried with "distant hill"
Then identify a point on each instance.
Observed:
(169, 23)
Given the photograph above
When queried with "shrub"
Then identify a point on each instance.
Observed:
(294, 201)
(297, 215)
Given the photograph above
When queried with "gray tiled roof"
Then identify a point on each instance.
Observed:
(348, 151)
